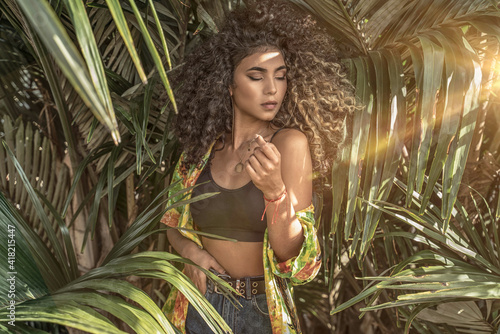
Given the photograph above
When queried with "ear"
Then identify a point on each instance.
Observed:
(230, 91)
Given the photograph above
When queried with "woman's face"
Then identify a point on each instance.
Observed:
(259, 85)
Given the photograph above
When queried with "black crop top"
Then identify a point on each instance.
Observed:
(234, 213)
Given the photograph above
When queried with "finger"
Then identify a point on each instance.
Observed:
(255, 163)
(269, 149)
(189, 271)
(265, 162)
(197, 278)
(273, 148)
(217, 267)
(260, 141)
(203, 286)
(201, 280)
(251, 171)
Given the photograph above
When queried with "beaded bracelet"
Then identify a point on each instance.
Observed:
(276, 210)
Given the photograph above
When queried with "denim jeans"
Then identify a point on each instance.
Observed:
(252, 318)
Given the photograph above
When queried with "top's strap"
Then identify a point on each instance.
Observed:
(274, 134)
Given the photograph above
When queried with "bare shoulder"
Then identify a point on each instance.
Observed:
(296, 165)
(291, 140)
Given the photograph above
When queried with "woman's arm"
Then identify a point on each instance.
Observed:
(274, 168)
(188, 249)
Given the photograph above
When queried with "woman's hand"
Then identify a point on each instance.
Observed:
(202, 258)
(264, 168)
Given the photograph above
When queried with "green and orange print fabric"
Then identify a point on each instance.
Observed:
(279, 276)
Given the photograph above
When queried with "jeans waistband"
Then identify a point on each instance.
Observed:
(245, 286)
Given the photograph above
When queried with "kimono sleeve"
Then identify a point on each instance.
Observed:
(305, 266)
(172, 216)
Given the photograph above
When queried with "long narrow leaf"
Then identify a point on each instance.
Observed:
(154, 53)
(68, 244)
(379, 146)
(71, 315)
(41, 214)
(451, 95)
(127, 290)
(20, 264)
(360, 130)
(460, 151)
(121, 24)
(418, 64)
(92, 56)
(433, 67)
(48, 26)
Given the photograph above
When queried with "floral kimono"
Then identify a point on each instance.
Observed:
(279, 276)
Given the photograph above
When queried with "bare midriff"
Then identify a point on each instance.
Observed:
(239, 259)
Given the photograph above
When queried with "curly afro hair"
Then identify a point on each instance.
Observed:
(319, 100)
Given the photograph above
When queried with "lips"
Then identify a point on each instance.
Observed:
(269, 104)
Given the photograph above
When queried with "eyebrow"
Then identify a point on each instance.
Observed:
(261, 69)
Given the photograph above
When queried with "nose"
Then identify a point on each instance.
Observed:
(270, 88)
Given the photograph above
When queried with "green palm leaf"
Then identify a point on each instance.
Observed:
(416, 67)
(72, 300)
(90, 52)
(154, 53)
(121, 23)
(71, 314)
(58, 249)
(451, 279)
(52, 33)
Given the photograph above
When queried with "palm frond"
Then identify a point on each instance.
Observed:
(451, 280)
(416, 83)
(45, 22)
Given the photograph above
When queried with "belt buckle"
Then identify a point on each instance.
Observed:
(225, 277)
(216, 289)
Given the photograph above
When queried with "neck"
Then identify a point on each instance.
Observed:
(242, 133)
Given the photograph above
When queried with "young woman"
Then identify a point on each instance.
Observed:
(263, 106)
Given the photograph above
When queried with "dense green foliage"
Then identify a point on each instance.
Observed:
(87, 153)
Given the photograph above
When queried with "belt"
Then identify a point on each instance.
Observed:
(245, 286)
